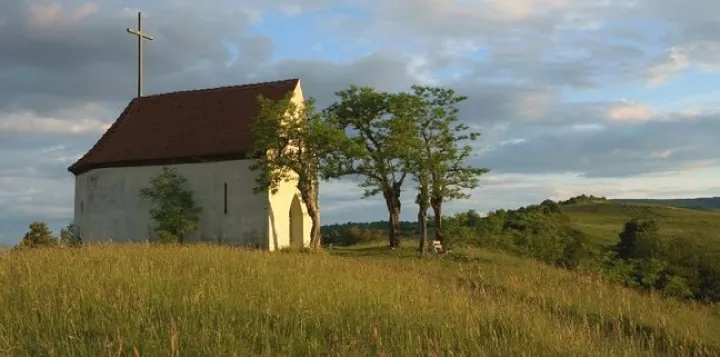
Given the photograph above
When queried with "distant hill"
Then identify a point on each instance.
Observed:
(705, 203)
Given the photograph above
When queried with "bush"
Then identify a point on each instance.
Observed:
(39, 236)
(639, 239)
(353, 235)
(539, 231)
(70, 236)
(174, 209)
(646, 259)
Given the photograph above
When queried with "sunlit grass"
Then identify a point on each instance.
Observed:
(217, 301)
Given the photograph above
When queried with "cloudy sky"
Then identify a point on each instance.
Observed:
(608, 97)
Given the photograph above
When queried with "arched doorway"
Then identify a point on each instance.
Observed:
(296, 223)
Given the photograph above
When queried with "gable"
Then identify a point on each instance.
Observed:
(183, 127)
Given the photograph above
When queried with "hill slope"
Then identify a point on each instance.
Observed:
(706, 203)
(215, 301)
(604, 221)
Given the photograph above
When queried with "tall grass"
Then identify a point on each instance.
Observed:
(144, 300)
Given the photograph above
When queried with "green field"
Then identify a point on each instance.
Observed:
(147, 300)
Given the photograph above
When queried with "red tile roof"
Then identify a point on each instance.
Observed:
(182, 127)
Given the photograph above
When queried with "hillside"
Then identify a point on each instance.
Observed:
(651, 248)
(604, 221)
(706, 203)
(147, 300)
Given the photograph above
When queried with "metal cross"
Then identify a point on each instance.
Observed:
(140, 36)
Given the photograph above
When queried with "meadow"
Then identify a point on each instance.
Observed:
(204, 300)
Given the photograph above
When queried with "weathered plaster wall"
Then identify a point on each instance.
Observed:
(108, 203)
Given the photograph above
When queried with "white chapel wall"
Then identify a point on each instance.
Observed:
(108, 203)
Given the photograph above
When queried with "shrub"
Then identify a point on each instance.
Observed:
(174, 209)
(39, 236)
(639, 239)
(352, 235)
(70, 236)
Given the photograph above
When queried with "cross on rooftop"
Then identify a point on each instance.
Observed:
(140, 36)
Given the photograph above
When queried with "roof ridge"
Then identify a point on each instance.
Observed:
(247, 85)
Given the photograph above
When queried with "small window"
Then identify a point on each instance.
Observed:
(82, 207)
(225, 198)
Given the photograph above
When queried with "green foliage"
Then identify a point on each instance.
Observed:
(70, 236)
(173, 207)
(582, 199)
(378, 136)
(334, 233)
(354, 235)
(646, 259)
(436, 157)
(380, 128)
(290, 141)
(39, 236)
(639, 239)
(542, 232)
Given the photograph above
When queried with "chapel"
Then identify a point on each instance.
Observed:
(205, 136)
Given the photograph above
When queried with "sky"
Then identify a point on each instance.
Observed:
(606, 97)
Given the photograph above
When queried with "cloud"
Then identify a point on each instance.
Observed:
(29, 123)
(675, 61)
(47, 15)
(611, 151)
(44, 15)
(630, 112)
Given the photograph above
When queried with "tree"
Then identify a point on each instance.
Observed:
(289, 142)
(438, 163)
(379, 130)
(70, 236)
(173, 207)
(39, 236)
(639, 239)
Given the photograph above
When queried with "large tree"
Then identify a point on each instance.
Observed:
(439, 162)
(379, 129)
(289, 141)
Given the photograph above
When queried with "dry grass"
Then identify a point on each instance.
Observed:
(141, 300)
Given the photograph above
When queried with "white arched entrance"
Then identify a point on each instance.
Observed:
(296, 223)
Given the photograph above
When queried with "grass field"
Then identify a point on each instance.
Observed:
(603, 221)
(147, 300)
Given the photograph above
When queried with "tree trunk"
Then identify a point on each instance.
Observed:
(314, 214)
(392, 198)
(394, 227)
(311, 203)
(437, 211)
(422, 221)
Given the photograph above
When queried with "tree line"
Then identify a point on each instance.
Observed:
(384, 138)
